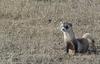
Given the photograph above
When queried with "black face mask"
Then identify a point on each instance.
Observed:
(66, 27)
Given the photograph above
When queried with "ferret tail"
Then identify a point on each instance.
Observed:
(86, 35)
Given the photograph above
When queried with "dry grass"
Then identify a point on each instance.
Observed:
(29, 34)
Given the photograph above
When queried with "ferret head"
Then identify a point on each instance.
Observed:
(66, 27)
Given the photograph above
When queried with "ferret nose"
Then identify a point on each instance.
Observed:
(63, 29)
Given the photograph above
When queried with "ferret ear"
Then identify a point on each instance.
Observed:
(70, 24)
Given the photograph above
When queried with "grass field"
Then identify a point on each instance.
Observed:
(30, 34)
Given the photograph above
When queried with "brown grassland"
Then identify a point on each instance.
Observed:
(30, 34)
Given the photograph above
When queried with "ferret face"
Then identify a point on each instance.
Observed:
(65, 27)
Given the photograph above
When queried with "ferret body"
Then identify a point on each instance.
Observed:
(76, 45)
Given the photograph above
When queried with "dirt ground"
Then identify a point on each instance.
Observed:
(30, 34)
